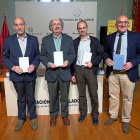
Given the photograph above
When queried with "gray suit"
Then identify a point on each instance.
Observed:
(59, 77)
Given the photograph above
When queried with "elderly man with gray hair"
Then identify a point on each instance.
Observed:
(57, 77)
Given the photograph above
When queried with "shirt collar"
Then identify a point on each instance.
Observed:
(23, 38)
(88, 38)
(57, 37)
(125, 33)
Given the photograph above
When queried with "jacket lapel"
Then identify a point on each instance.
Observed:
(112, 41)
(16, 45)
(77, 45)
(63, 44)
(28, 46)
(129, 41)
(52, 45)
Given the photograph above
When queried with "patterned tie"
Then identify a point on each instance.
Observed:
(119, 44)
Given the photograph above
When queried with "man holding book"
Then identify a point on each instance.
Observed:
(85, 68)
(123, 46)
(57, 54)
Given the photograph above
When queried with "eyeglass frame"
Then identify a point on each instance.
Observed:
(122, 22)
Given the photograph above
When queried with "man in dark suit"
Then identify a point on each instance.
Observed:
(126, 43)
(86, 74)
(57, 77)
(22, 45)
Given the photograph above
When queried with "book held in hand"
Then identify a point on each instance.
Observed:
(118, 62)
(58, 58)
(24, 63)
(86, 57)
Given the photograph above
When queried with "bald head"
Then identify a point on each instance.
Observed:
(122, 17)
(122, 24)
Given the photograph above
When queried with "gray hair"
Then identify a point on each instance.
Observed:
(62, 23)
(20, 18)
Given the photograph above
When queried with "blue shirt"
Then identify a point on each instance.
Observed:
(123, 45)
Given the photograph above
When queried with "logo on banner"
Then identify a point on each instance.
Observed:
(30, 29)
(76, 12)
(31, 32)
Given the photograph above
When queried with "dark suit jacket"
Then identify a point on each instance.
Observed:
(96, 50)
(133, 53)
(47, 49)
(11, 52)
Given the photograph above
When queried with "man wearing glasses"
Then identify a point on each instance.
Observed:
(22, 45)
(57, 77)
(127, 44)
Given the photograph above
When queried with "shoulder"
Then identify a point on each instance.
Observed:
(110, 35)
(47, 37)
(94, 38)
(10, 38)
(31, 36)
(76, 39)
(66, 36)
(133, 33)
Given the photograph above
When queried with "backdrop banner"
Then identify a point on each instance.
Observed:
(38, 15)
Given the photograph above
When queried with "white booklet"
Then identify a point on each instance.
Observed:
(24, 63)
(58, 58)
(86, 57)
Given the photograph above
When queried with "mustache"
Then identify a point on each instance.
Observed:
(19, 30)
(56, 28)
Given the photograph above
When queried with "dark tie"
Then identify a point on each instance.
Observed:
(119, 44)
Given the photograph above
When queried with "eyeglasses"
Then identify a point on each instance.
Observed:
(18, 25)
(121, 22)
(56, 24)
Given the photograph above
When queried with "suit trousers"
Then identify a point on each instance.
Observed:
(25, 91)
(85, 76)
(53, 88)
(117, 82)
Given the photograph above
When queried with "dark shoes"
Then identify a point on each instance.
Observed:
(110, 121)
(81, 118)
(19, 125)
(95, 121)
(66, 121)
(126, 128)
(34, 124)
(53, 122)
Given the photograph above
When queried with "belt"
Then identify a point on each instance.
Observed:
(81, 65)
(119, 72)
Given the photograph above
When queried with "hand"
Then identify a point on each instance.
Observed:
(73, 79)
(53, 66)
(31, 68)
(89, 64)
(17, 69)
(109, 62)
(65, 64)
(127, 66)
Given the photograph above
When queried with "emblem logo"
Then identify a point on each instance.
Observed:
(76, 12)
(30, 29)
